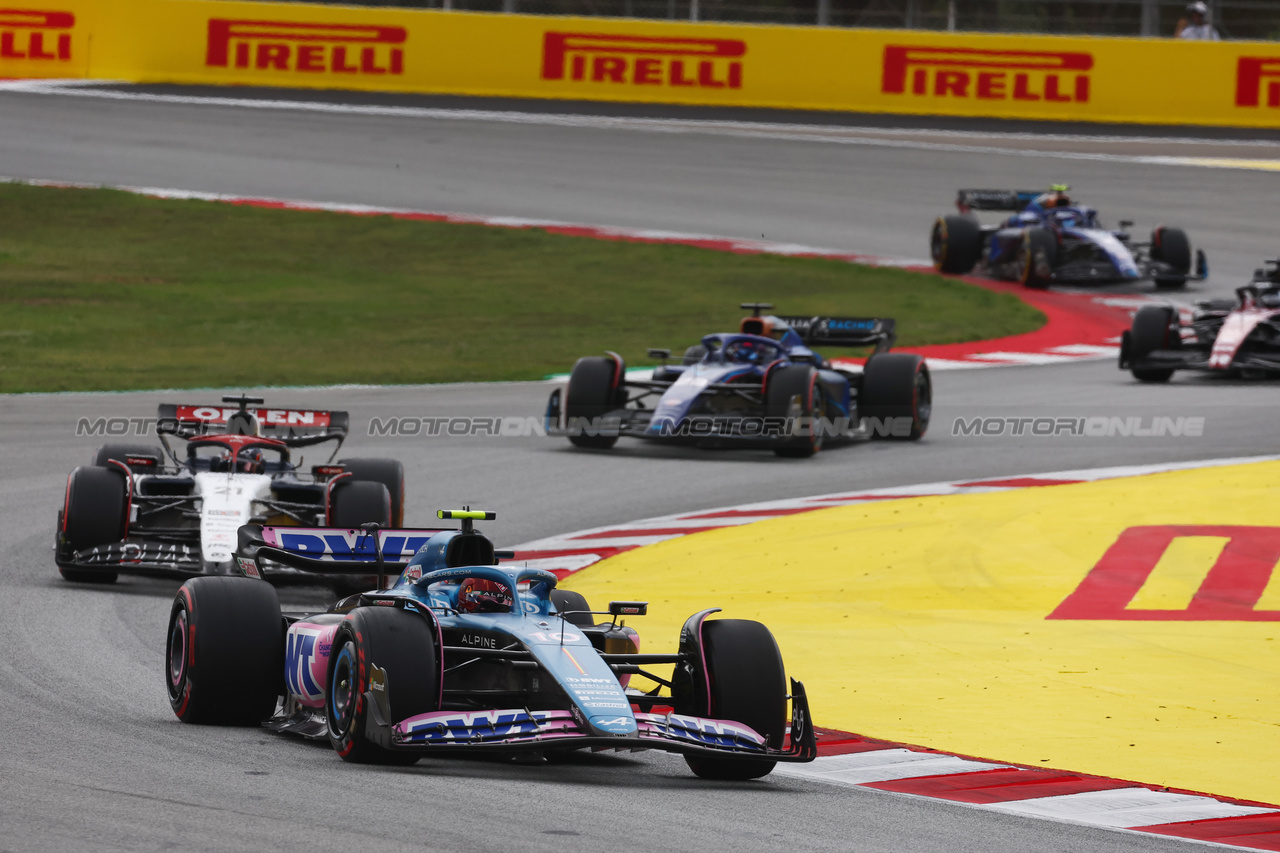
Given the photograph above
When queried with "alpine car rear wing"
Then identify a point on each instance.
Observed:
(1010, 200)
(335, 550)
(844, 331)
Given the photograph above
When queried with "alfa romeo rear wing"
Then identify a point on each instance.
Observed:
(293, 426)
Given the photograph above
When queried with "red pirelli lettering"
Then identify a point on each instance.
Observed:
(1229, 592)
(34, 34)
(306, 47)
(1020, 75)
(1254, 76)
(643, 60)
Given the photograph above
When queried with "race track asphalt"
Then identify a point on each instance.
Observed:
(93, 759)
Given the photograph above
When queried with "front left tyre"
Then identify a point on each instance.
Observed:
(1037, 256)
(594, 390)
(1154, 328)
(224, 659)
(747, 685)
(95, 513)
(400, 644)
(793, 395)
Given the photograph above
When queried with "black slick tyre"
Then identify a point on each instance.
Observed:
(1037, 256)
(896, 386)
(748, 686)
(574, 604)
(593, 391)
(224, 659)
(1171, 246)
(792, 392)
(109, 453)
(955, 244)
(358, 502)
(95, 513)
(402, 645)
(1154, 328)
(388, 472)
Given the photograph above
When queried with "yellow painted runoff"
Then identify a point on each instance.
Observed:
(1125, 628)
(299, 45)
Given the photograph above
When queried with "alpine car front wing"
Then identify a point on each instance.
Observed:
(523, 730)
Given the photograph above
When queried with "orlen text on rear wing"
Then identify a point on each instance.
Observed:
(294, 426)
(1010, 200)
(844, 331)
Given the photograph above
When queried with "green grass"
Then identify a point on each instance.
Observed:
(104, 290)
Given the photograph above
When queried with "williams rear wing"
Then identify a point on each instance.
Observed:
(1009, 200)
(844, 331)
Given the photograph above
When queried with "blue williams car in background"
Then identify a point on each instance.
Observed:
(1051, 239)
(762, 386)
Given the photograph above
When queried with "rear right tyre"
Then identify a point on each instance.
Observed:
(388, 472)
(896, 388)
(1171, 246)
(358, 502)
(575, 605)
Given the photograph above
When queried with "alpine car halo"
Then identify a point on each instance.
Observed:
(463, 655)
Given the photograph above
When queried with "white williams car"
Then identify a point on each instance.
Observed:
(156, 511)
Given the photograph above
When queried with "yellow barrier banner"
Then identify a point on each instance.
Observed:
(1157, 81)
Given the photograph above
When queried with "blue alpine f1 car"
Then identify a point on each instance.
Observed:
(1051, 239)
(463, 655)
(762, 386)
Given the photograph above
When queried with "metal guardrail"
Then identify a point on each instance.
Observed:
(1234, 19)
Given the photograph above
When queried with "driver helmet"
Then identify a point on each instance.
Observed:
(1198, 8)
(251, 462)
(478, 595)
(1055, 197)
(744, 351)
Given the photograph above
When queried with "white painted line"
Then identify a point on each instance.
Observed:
(1125, 808)
(1085, 350)
(870, 137)
(1024, 357)
(567, 563)
(882, 765)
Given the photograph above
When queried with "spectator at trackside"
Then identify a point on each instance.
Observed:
(1196, 25)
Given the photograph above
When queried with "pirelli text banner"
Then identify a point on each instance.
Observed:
(1159, 81)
